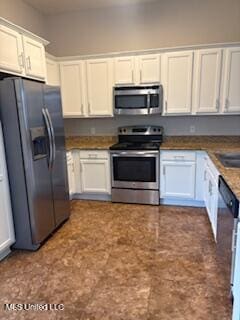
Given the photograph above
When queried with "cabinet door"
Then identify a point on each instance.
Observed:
(178, 179)
(53, 76)
(34, 58)
(70, 168)
(231, 89)
(72, 74)
(100, 87)
(149, 68)
(6, 225)
(178, 70)
(236, 284)
(11, 51)
(207, 80)
(95, 176)
(124, 70)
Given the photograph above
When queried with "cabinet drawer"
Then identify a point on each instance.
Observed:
(178, 155)
(94, 154)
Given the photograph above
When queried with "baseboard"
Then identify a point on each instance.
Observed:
(4, 253)
(181, 202)
(91, 196)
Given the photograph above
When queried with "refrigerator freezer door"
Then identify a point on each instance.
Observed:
(38, 179)
(52, 103)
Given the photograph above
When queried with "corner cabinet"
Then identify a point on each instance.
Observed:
(100, 87)
(178, 174)
(21, 52)
(6, 225)
(177, 82)
(53, 72)
(231, 80)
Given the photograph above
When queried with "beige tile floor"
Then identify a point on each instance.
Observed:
(121, 262)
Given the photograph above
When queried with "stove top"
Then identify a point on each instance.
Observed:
(136, 146)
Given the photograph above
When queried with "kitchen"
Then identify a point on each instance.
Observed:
(151, 113)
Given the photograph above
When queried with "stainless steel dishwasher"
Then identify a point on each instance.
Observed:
(228, 209)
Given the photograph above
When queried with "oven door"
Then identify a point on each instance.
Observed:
(140, 101)
(135, 169)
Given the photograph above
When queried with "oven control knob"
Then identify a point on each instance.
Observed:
(154, 129)
(120, 130)
(159, 130)
(124, 130)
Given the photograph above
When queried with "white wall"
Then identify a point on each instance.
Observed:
(165, 23)
(204, 125)
(20, 13)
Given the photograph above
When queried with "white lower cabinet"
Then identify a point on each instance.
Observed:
(89, 173)
(211, 193)
(71, 173)
(177, 174)
(6, 226)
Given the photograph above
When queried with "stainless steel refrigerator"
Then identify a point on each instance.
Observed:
(32, 120)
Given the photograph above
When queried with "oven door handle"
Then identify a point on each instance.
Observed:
(154, 153)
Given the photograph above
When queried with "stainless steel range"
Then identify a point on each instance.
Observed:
(135, 165)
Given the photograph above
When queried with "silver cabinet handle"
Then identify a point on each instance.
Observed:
(166, 106)
(82, 109)
(132, 77)
(21, 60)
(205, 175)
(141, 76)
(28, 60)
(217, 104)
(1, 177)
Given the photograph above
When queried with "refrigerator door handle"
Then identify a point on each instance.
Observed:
(49, 138)
(53, 136)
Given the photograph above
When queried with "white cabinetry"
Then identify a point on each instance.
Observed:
(95, 172)
(71, 173)
(177, 82)
(149, 68)
(21, 53)
(231, 96)
(207, 80)
(124, 70)
(134, 70)
(34, 58)
(99, 87)
(6, 225)
(178, 173)
(236, 285)
(211, 192)
(11, 51)
(72, 88)
(53, 75)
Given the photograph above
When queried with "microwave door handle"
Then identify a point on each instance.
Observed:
(148, 102)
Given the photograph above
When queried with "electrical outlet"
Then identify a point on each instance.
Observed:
(93, 130)
(192, 129)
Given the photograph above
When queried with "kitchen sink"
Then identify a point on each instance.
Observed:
(229, 160)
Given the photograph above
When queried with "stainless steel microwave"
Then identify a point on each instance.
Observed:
(134, 100)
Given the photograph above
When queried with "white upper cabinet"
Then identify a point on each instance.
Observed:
(34, 58)
(72, 78)
(11, 51)
(124, 70)
(177, 82)
(21, 52)
(231, 87)
(53, 75)
(149, 68)
(136, 70)
(207, 80)
(100, 87)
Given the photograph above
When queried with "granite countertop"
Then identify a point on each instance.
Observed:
(90, 142)
(210, 144)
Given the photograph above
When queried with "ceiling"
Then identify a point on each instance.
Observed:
(50, 7)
